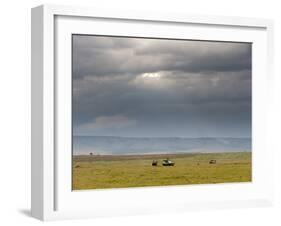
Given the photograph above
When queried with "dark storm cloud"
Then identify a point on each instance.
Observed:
(148, 87)
(110, 56)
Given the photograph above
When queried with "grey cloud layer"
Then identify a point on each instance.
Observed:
(110, 56)
(161, 87)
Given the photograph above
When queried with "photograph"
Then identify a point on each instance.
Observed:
(159, 112)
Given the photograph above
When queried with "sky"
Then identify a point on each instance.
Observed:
(141, 87)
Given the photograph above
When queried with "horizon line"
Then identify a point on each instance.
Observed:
(75, 135)
(164, 153)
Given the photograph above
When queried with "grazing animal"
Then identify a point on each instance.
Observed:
(77, 166)
(213, 161)
(154, 163)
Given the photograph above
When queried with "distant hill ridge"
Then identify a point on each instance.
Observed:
(147, 145)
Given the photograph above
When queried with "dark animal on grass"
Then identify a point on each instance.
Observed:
(77, 166)
(213, 161)
(154, 163)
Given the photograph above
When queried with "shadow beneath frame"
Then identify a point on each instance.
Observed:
(26, 212)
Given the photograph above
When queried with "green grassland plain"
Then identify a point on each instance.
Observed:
(121, 171)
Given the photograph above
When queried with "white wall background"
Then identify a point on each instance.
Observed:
(15, 111)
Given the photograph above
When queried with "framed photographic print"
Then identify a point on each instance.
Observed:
(155, 112)
(136, 113)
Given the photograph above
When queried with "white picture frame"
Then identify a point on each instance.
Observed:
(52, 198)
